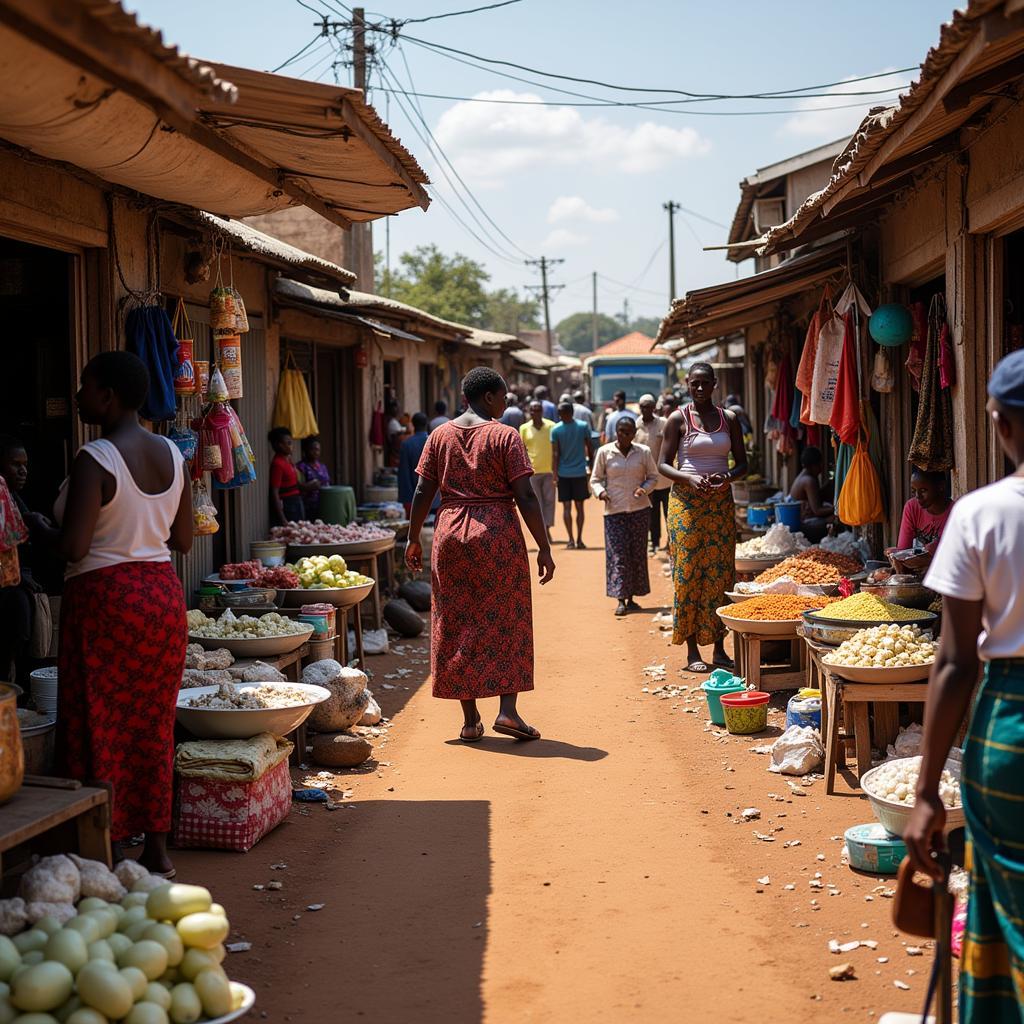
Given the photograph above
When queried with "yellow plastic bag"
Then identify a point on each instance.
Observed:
(293, 408)
(860, 500)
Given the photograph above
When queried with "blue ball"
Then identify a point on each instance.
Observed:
(891, 325)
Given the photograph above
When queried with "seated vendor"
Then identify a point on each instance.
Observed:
(815, 512)
(926, 514)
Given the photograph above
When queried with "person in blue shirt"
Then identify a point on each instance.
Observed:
(613, 417)
(409, 458)
(543, 395)
(570, 448)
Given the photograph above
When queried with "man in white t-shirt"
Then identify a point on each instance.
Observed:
(978, 570)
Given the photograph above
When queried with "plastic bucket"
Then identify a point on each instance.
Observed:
(871, 848)
(322, 617)
(788, 513)
(759, 515)
(43, 686)
(745, 712)
(804, 711)
(269, 552)
(719, 683)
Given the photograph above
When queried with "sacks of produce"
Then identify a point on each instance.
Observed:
(797, 751)
(349, 696)
(340, 749)
(401, 617)
(372, 715)
(417, 594)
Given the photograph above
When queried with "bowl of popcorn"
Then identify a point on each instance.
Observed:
(247, 636)
(891, 653)
(891, 789)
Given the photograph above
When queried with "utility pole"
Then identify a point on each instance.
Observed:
(671, 206)
(593, 315)
(359, 48)
(545, 289)
(362, 234)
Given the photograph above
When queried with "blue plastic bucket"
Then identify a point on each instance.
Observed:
(804, 711)
(874, 850)
(719, 683)
(788, 513)
(759, 515)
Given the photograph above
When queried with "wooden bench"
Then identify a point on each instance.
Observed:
(748, 655)
(43, 804)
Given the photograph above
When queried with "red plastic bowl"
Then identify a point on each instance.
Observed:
(746, 699)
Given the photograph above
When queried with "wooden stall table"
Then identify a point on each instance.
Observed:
(852, 701)
(44, 803)
(748, 640)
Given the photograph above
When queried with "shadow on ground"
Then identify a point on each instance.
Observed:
(533, 748)
(403, 929)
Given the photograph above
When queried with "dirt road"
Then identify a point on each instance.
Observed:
(597, 876)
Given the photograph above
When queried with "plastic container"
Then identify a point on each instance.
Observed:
(804, 710)
(322, 617)
(206, 600)
(759, 515)
(788, 513)
(270, 552)
(746, 712)
(871, 848)
(718, 684)
(43, 686)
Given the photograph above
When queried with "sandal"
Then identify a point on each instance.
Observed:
(570, 546)
(725, 662)
(580, 546)
(698, 668)
(633, 606)
(527, 733)
(478, 732)
(621, 609)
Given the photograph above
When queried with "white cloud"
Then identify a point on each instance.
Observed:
(487, 141)
(576, 208)
(563, 238)
(818, 122)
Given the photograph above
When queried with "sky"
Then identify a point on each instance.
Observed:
(587, 184)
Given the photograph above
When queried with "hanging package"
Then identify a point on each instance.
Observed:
(243, 461)
(202, 368)
(229, 359)
(932, 446)
(222, 307)
(150, 335)
(860, 500)
(204, 513)
(218, 389)
(215, 447)
(185, 374)
(292, 409)
(826, 369)
(883, 379)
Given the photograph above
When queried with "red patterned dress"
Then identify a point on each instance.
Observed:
(482, 613)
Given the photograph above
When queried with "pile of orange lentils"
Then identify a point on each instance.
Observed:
(776, 607)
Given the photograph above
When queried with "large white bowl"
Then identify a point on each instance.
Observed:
(758, 627)
(359, 547)
(257, 647)
(340, 597)
(758, 564)
(894, 816)
(248, 1001)
(242, 725)
(861, 674)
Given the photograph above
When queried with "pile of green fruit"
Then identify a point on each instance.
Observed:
(323, 572)
(153, 958)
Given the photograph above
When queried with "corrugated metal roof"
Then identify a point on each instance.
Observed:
(967, 45)
(541, 361)
(274, 250)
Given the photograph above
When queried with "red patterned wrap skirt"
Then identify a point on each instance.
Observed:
(122, 651)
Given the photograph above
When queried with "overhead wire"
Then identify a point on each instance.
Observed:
(455, 14)
(295, 56)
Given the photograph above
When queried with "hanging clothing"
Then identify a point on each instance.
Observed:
(826, 369)
(932, 446)
(784, 434)
(805, 368)
(150, 335)
(625, 559)
(122, 651)
(915, 357)
(481, 626)
(845, 419)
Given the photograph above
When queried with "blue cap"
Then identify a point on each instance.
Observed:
(1006, 384)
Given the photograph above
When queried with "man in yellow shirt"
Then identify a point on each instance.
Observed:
(536, 435)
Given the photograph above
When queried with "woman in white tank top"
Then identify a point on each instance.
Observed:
(126, 504)
(695, 451)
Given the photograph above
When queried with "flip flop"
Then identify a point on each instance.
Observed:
(173, 873)
(475, 738)
(570, 546)
(698, 668)
(519, 734)
(723, 662)
(580, 546)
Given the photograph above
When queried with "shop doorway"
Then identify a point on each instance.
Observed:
(1013, 293)
(36, 310)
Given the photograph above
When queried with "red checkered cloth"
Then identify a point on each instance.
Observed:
(214, 814)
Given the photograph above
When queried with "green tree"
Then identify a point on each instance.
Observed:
(646, 325)
(576, 332)
(454, 288)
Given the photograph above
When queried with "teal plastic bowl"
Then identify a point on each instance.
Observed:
(715, 687)
(874, 850)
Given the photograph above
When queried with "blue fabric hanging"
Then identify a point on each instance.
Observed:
(150, 336)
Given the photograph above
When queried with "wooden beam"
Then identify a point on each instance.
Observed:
(63, 27)
(1002, 74)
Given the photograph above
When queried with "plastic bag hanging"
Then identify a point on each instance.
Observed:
(883, 380)
(218, 389)
(215, 444)
(243, 461)
(241, 318)
(204, 513)
(860, 500)
(184, 437)
(292, 408)
(185, 374)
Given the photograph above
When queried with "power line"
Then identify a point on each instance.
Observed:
(296, 56)
(455, 14)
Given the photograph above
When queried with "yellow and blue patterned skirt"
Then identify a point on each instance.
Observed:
(703, 532)
(992, 969)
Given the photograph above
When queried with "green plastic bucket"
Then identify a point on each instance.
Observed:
(719, 683)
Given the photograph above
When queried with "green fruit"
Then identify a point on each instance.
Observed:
(214, 993)
(43, 987)
(31, 940)
(156, 993)
(68, 948)
(86, 1015)
(101, 950)
(10, 958)
(103, 988)
(168, 937)
(137, 980)
(173, 902)
(48, 924)
(149, 956)
(186, 1007)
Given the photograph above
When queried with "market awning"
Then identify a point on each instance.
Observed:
(980, 52)
(81, 81)
(718, 310)
(541, 362)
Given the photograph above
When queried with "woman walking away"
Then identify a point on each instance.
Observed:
(624, 476)
(977, 570)
(122, 629)
(481, 628)
(701, 520)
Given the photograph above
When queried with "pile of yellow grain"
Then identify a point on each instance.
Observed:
(868, 608)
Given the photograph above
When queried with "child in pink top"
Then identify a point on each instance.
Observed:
(925, 515)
